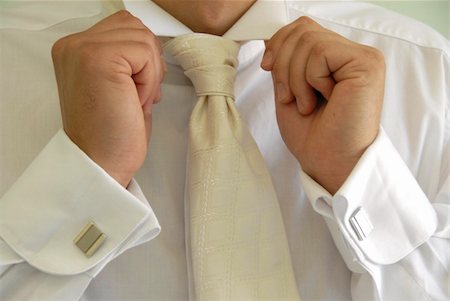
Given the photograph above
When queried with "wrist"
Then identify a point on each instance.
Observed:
(121, 174)
(329, 181)
(122, 177)
(331, 175)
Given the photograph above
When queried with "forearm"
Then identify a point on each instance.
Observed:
(386, 228)
(45, 209)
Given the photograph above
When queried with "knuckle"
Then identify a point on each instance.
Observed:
(273, 43)
(285, 29)
(374, 54)
(374, 58)
(123, 14)
(147, 47)
(129, 18)
(319, 48)
(278, 70)
(87, 52)
(304, 20)
(147, 35)
(312, 80)
(133, 21)
(361, 79)
(307, 37)
(136, 22)
(146, 50)
(152, 37)
(67, 42)
(269, 48)
(149, 51)
(58, 47)
(296, 86)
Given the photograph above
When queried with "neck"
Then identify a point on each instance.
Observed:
(206, 16)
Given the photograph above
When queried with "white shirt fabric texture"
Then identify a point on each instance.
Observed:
(397, 197)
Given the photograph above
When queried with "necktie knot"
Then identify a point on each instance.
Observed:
(209, 61)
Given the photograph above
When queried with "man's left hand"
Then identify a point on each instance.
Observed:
(329, 93)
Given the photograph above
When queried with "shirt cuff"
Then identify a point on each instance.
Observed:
(58, 194)
(380, 213)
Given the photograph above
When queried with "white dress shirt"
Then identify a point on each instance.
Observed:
(385, 235)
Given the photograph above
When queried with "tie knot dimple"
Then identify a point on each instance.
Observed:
(209, 61)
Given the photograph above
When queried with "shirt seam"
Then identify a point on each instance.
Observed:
(441, 50)
(47, 27)
(391, 36)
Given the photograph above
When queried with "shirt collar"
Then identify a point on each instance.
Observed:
(260, 22)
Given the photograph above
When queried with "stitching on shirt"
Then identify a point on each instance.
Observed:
(340, 23)
(96, 16)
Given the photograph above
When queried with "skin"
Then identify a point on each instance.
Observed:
(207, 16)
(327, 137)
(109, 77)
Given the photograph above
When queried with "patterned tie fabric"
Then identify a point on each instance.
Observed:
(238, 244)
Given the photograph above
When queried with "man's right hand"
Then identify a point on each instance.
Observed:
(108, 78)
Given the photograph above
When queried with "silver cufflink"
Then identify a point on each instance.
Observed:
(360, 223)
(89, 239)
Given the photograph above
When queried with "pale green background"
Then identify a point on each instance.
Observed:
(434, 13)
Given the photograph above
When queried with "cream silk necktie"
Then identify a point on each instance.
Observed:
(238, 244)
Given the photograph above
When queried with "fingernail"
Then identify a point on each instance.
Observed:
(281, 93)
(267, 59)
(300, 105)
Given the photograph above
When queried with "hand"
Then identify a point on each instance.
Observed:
(108, 79)
(329, 93)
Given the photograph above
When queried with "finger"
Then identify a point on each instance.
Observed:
(120, 19)
(280, 69)
(353, 69)
(146, 77)
(274, 45)
(289, 119)
(318, 74)
(305, 95)
(148, 81)
(149, 78)
(125, 35)
(361, 64)
(285, 89)
(136, 60)
(332, 61)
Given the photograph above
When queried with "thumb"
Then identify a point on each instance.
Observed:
(266, 62)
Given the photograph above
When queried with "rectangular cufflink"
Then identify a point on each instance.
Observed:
(361, 224)
(89, 239)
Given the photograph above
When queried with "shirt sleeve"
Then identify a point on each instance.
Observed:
(58, 194)
(383, 224)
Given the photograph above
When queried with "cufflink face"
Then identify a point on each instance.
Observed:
(361, 224)
(89, 239)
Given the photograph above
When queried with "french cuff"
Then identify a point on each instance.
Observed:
(63, 198)
(380, 213)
